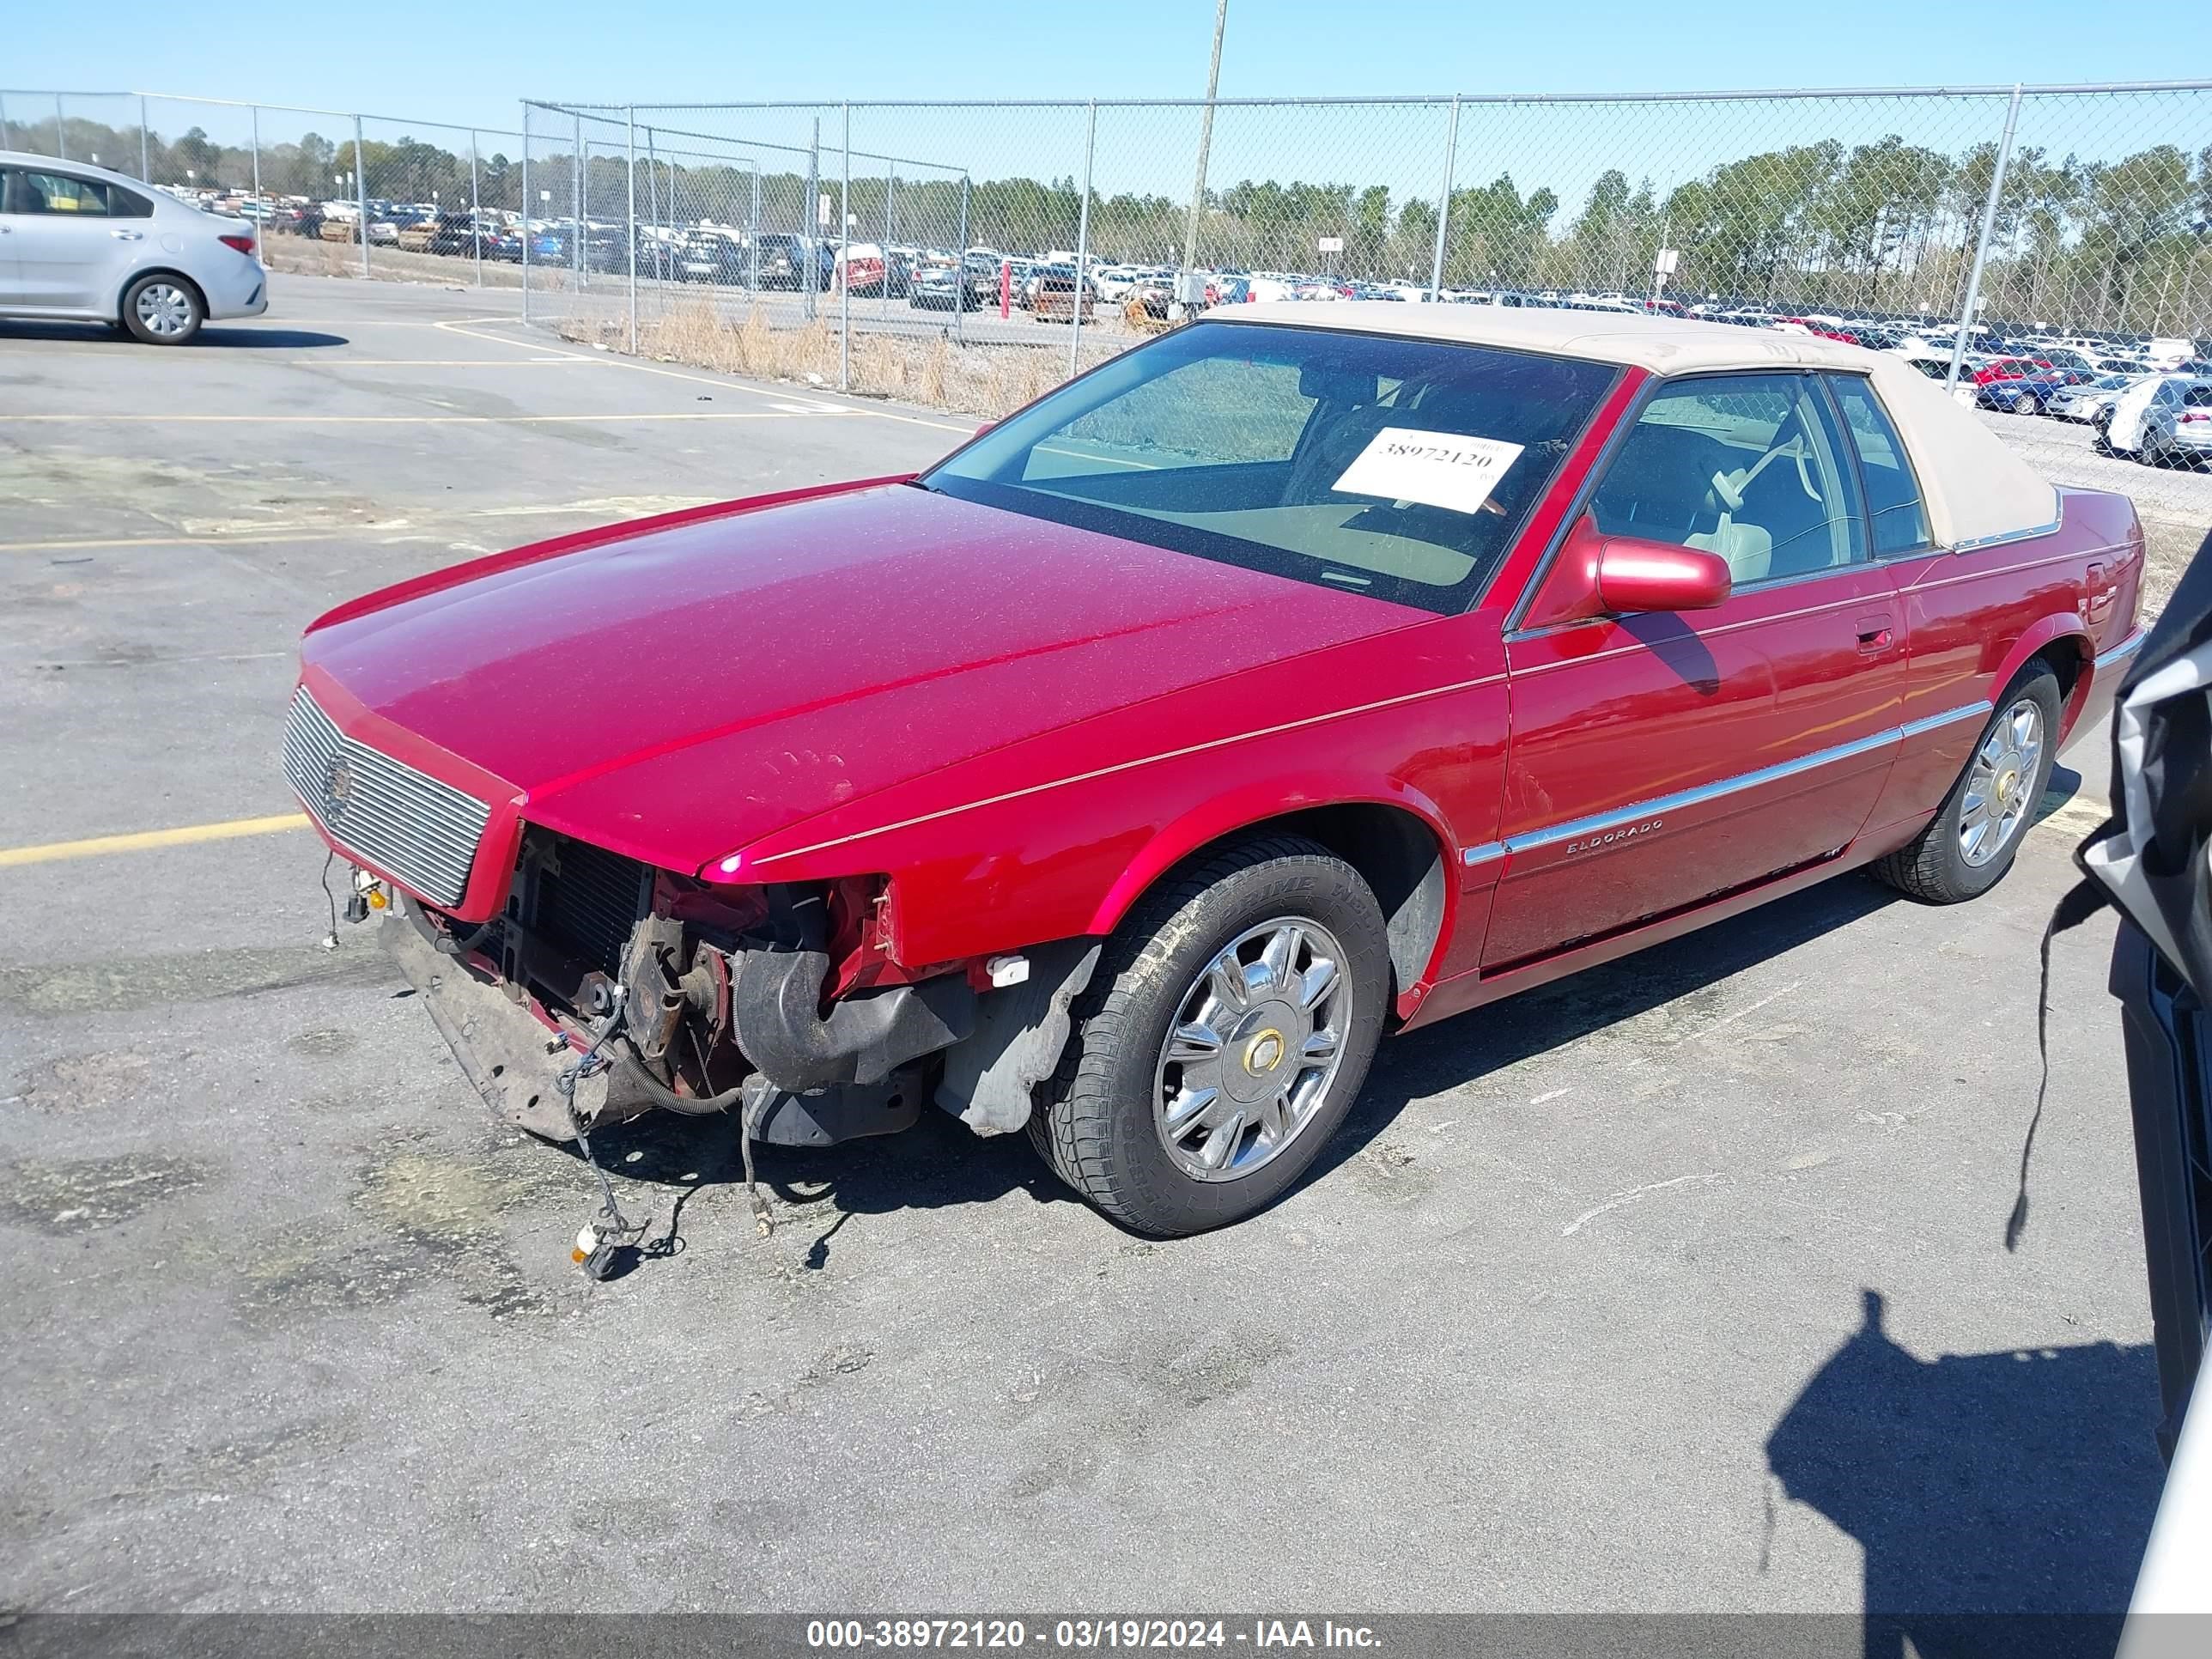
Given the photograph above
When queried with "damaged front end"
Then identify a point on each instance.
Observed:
(605, 988)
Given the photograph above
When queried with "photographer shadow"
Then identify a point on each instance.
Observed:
(2002, 1500)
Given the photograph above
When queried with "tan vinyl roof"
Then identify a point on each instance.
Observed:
(1976, 489)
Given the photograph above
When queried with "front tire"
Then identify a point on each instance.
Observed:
(162, 310)
(1971, 841)
(1225, 1035)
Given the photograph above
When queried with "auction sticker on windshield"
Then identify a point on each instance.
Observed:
(1437, 469)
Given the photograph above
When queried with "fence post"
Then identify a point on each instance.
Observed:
(891, 184)
(1082, 240)
(4, 144)
(526, 200)
(960, 292)
(629, 218)
(810, 216)
(752, 239)
(1982, 242)
(145, 147)
(360, 194)
(61, 135)
(845, 274)
(653, 206)
(1205, 144)
(476, 209)
(1443, 204)
(579, 183)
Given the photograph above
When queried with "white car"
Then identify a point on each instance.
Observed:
(2143, 424)
(79, 242)
(2089, 403)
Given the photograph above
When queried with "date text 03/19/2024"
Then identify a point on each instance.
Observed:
(1086, 1634)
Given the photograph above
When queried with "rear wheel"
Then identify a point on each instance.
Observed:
(162, 310)
(1971, 841)
(1225, 1036)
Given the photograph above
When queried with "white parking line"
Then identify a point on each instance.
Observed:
(783, 413)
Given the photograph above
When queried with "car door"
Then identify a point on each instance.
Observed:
(12, 294)
(70, 248)
(1660, 760)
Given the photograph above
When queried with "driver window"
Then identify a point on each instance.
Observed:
(1743, 465)
(57, 193)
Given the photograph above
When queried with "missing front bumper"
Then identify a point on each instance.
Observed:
(508, 1056)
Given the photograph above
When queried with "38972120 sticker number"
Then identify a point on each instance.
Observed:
(1451, 469)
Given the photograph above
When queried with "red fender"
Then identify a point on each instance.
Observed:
(1254, 804)
(2064, 625)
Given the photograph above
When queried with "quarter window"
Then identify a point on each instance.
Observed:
(1748, 466)
(1893, 509)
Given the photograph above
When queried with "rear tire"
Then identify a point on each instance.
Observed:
(1995, 794)
(1222, 1039)
(159, 309)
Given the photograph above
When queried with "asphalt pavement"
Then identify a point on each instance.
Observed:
(1677, 1286)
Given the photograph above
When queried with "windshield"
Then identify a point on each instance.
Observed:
(1398, 468)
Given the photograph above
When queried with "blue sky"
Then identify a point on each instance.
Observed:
(471, 62)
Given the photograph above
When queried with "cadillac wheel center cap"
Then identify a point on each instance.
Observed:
(1264, 1053)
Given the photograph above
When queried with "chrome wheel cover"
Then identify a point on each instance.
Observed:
(163, 308)
(1256, 1041)
(2001, 783)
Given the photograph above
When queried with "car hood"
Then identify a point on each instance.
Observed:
(678, 693)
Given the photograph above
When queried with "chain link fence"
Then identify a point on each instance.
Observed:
(334, 191)
(2043, 249)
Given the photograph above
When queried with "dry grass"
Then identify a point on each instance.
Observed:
(935, 372)
(305, 256)
(2168, 550)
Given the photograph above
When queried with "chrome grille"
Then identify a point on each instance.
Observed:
(420, 830)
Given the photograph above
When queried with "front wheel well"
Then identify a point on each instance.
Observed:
(1394, 853)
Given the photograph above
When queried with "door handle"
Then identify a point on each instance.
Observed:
(128, 235)
(1875, 634)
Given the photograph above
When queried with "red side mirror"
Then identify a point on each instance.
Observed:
(1640, 575)
(1596, 573)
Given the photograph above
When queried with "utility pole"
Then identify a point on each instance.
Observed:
(1189, 283)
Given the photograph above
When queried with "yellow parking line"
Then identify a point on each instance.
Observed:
(433, 362)
(168, 541)
(147, 840)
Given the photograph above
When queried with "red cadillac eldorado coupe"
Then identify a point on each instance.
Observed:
(1290, 677)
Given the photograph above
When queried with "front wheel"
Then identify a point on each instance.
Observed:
(161, 310)
(2027, 405)
(1971, 841)
(1224, 1038)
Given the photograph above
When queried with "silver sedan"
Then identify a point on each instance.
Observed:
(80, 243)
